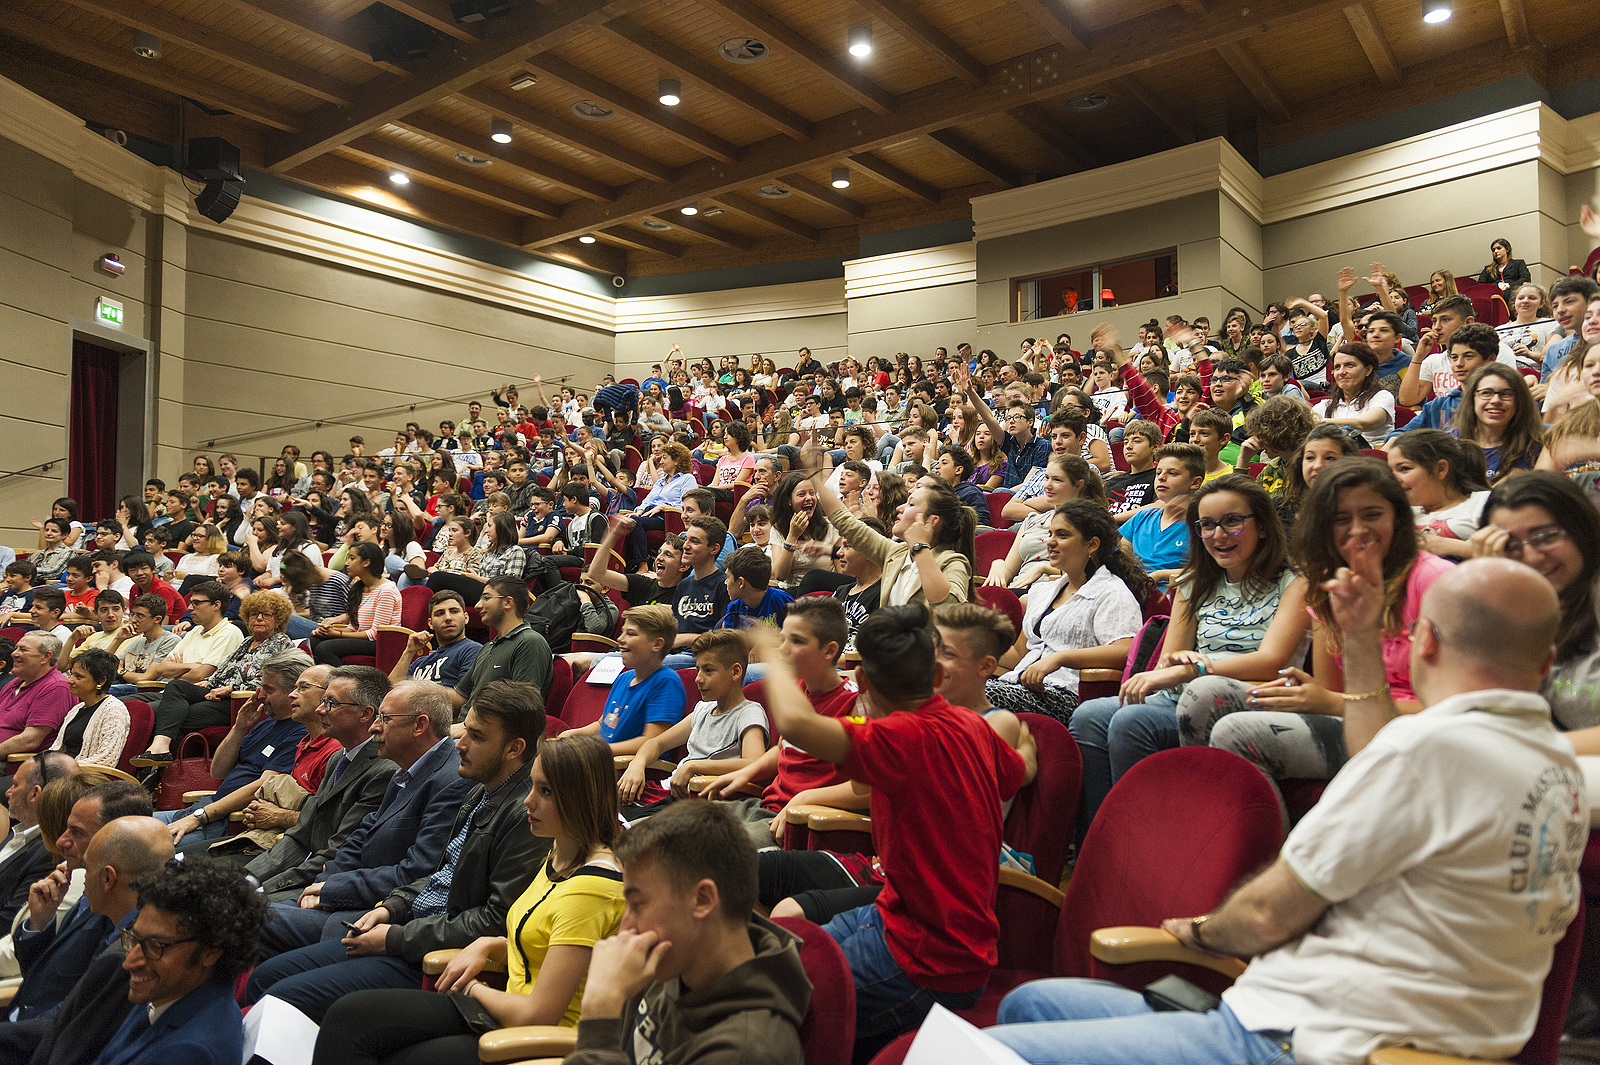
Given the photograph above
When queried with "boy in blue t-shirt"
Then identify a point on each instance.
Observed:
(750, 594)
(1159, 533)
(647, 698)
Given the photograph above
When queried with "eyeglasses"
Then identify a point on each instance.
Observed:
(151, 947)
(386, 718)
(329, 702)
(1223, 379)
(200, 602)
(1502, 394)
(1230, 524)
(306, 685)
(1540, 540)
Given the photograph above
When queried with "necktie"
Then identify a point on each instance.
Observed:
(344, 760)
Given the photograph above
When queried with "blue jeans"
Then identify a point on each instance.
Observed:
(887, 1002)
(300, 628)
(215, 830)
(120, 690)
(1112, 737)
(1054, 1022)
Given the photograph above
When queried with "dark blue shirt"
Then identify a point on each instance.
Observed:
(1021, 458)
(270, 745)
(447, 664)
(700, 603)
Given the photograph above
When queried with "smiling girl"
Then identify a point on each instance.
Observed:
(1499, 414)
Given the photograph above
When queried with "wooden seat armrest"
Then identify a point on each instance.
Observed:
(8, 991)
(1022, 881)
(196, 796)
(407, 633)
(623, 761)
(242, 695)
(107, 771)
(151, 685)
(1099, 676)
(237, 815)
(434, 961)
(801, 813)
(1127, 944)
(1410, 1056)
(530, 1041)
(20, 756)
(594, 638)
(827, 819)
(700, 784)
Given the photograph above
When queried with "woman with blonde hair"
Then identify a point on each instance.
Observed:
(206, 545)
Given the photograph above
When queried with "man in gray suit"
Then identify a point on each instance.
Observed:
(399, 841)
(351, 788)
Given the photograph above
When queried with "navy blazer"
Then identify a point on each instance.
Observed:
(30, 863)
(203, 1027)
(402, 839)
(54, 959)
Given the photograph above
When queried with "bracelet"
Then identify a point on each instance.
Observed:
(791, 548)
(1381, 689)
(468, 989)
(1199, 668)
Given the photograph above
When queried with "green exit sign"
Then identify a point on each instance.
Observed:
(108, 311)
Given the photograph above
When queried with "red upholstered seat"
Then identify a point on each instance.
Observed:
(141, 725)
(1003, 600)
(584, 703)
(997, 503)
(560, 687)
(828, 1030)
(991, 547)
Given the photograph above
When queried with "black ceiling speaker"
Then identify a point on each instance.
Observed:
(218, 199)
(395, 36)
(212, 159)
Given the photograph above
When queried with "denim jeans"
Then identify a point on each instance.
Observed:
(1054, 1022)
(300, 628)
(215, 830)
(887, 1002)
(1112, 737)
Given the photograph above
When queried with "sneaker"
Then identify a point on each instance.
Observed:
(151, 758)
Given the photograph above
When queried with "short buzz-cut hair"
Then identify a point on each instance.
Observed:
(1210, 418)
(727, 646)
(1193, 457)
(825, 617)
(1143, 428)
(694, 841)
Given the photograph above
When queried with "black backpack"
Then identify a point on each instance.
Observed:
(556, 615)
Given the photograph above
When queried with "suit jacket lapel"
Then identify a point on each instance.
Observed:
(425, 767)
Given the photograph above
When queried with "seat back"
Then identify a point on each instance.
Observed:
(828, 1030)
(1004, 600)
(141, 724)
(1051, 801)
(997, 503)
(1543, 1047)
(991, 547)
(585, 703)
(1140, 864)
(756, 692)
(560, 686)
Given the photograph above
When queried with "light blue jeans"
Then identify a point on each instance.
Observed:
(1094, 1022)
(300, 628)
(1112, 737)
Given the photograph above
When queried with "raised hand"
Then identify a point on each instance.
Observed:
(1347, 279)
(1355, 592)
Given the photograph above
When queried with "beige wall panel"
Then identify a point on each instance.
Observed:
(29, 285)
(22, 499)
(1241, 231)
(32, 341)
(1235, 274)
(31, 230)
(35, 180)
(778, 339)
(1005, 337)
(1121, 235)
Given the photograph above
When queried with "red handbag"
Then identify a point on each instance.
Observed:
(186, 773)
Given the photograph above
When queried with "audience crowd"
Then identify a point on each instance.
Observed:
(1355, 543)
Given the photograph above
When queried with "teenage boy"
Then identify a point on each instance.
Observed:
(1230, 393)
(1023, 450)
(49, 603)
(141, 569)
(585, 523)
(517, 652)
(1129, 491)
(155, 544)
(702, 594)
(205, 647)
(1160, 535)
(519, 486)
(702, 503)
(1569, 298)
(108, 611)
(1470, 346)
(953, 466)
(18, 594)
(448, 661)
(541, 527)
(1212, 430)
(723, 733)
(647, 696)
(107, 563)
(931, 934)
(1430, 376)
(814, 633)
(1277, 427)
(1066, 429)
(751, 597)
(141, 640)
(80, 589)
(694, 977)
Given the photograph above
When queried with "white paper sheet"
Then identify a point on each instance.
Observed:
(945, 1039)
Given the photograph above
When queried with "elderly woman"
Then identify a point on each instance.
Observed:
(185, 707)
(96, 728)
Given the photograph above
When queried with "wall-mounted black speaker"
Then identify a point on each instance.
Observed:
(218, 199)
(212, 159)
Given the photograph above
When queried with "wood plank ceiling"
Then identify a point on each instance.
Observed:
(957, 98)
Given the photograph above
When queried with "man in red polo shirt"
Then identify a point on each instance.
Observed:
(141, 569)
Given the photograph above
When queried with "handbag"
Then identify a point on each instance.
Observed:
(186, 773)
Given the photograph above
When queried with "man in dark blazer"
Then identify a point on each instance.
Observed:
(196, 932)
(23, 857)
(54, 955)
(351, 788)
(399, 841)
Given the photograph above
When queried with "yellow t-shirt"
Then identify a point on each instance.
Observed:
(575, 911)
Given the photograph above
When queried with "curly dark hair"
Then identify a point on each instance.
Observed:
(215, 903)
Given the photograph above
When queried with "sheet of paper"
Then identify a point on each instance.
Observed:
(605, 670)
(945, 1039)
(278, 1034)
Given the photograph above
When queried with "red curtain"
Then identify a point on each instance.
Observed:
(92, 430)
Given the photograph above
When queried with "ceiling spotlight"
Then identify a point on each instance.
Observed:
(690, 208)
(670, 91)
(500, 131)
(1436, 11)
(399, 177)
(587, 238)
(860, 41)
(146, 45)
(841, 177)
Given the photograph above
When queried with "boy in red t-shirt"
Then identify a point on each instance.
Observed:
(938, 775)
(814, 632)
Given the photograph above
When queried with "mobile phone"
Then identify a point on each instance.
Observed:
(353, 929)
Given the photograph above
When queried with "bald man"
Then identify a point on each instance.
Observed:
(118, 855)
(1420, 901)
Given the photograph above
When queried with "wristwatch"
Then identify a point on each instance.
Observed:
(917, 549)
(1194, 930)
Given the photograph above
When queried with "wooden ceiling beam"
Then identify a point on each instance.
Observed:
(458, 177)
(1049, 127)
(1053, 18)
(1364, 22)
(1143, 42)
(632, 238)
(824, 195)
(698, 72)
(573, 134)
(1255, 79)
(164, 76)
(779, 36)
(969, 153)
(716, 234)
(527, 29)
(219, 46)
(348, 178)
(652, 114)
(768, 217)
(1164, 114)
(435, 14)
(1515, 15)
(1194, 7)
(479, 144)
(895, 177)
(915, 28)
(331, 32)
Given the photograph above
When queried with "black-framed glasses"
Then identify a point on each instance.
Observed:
(199, 602)
(1230, 524)
(151, 947)
(386, 718)
(1504, 395)
(330, 702)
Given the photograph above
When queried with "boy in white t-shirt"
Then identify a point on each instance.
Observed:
(724, 733)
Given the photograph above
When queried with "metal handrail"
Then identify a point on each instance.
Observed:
(40, 466)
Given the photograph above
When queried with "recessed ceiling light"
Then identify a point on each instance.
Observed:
(399, 177)
(468, 159)
(1436, 11)
(669, 91)
(1088, 101)
(743, 50)
(711, 212)
(841, 177)
(860, 41)
(655, 224)
(500, 131)
(587, 238)
(689, 209)
(592, 111)
(146, 45)
(773, 192)
(525, 80)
